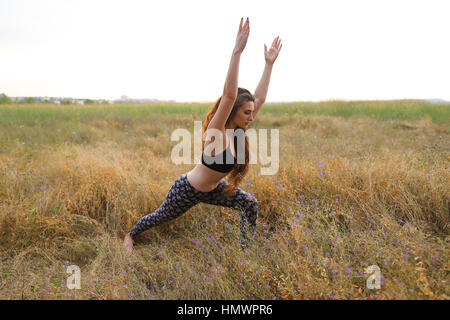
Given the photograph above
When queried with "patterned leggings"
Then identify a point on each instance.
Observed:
(182, 196)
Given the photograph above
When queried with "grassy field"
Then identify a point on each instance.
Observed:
(360, 183)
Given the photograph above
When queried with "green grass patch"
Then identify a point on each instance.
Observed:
(39, 114)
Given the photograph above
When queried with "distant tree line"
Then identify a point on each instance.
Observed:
(4, 99)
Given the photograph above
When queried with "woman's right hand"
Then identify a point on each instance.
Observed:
(242, 36)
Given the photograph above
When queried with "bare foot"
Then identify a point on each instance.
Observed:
(128, 243)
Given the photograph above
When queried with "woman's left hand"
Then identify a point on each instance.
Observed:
(273, 52)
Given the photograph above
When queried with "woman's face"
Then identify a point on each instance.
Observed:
(244, 115)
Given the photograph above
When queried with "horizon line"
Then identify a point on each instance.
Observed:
(155, 100)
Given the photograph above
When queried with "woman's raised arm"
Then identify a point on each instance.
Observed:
(270, 57)
(231, 83)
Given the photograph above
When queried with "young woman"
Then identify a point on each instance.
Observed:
(233, 111)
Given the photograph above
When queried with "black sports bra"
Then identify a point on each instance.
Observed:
(225, 166)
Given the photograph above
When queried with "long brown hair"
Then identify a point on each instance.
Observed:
(239, 170)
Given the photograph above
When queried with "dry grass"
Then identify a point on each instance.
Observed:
(350, 192)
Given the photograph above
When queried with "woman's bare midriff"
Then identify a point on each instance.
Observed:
(203, 178)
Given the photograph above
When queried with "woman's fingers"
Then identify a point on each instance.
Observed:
(246, 25)
(276, 42)
(244, 28)
(242, 36)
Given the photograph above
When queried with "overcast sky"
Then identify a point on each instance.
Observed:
(180, 50)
